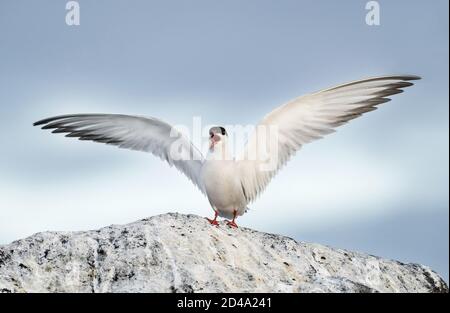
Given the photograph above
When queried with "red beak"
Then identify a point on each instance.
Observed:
(213, 140)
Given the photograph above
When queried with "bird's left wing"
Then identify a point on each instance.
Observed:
(286, 129)
(146, 134)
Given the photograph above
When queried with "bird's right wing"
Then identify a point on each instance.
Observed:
(306, 119)
(133, 132)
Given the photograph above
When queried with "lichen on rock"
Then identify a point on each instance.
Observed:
(184, 253)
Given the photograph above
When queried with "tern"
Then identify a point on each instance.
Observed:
(231, 183)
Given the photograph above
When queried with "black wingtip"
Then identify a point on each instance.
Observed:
(412, 77)
(45, 121)
(62, 117)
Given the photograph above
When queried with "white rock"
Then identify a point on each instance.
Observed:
(184, 253)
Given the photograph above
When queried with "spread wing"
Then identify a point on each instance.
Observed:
(306, 119)
(136, 133)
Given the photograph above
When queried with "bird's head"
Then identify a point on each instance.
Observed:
(217, 138)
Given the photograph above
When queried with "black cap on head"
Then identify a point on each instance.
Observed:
(218, 130)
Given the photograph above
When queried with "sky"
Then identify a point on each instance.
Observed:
(378, 185)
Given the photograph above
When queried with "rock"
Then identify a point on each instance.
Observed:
(184, 253)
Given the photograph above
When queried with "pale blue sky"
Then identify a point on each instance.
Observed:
(379, 185)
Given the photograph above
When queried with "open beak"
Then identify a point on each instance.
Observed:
(213, 140)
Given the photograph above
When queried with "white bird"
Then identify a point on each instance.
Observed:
(230, 184)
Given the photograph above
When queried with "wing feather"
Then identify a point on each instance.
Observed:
(146, 134)
(306, 119)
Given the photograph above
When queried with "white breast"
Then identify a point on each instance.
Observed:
(223, 187)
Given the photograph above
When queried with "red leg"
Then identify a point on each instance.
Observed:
(233, 223)
(214, 221)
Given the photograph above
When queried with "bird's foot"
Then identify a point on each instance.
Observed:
(232, 224)
(213, 222)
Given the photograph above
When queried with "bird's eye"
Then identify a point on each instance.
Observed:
(211, 135)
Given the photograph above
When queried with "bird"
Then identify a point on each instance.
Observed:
(231, 183)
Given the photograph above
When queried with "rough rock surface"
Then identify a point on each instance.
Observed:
(183, 253)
